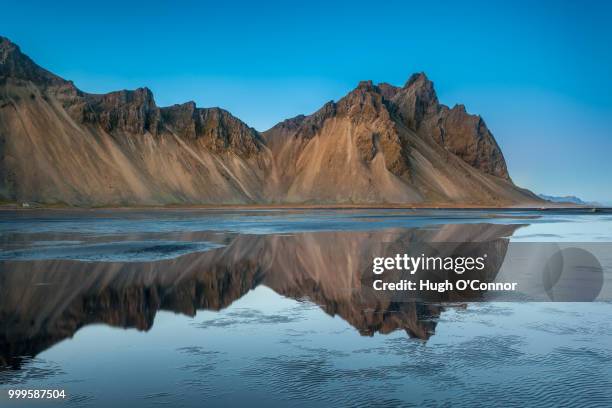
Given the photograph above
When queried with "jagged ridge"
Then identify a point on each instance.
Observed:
(378, 144)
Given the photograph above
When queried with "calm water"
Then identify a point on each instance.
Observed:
(231, 308)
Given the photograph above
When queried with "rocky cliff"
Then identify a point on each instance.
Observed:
(378, 144)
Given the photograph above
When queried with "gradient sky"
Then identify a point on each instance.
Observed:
(539, 74)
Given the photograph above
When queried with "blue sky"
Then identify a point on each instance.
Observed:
(539, 74)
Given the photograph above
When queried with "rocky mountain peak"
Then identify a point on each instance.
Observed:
(6, 47)
(364, 103)
(366, 85)
(15, 64)
(459, 107)
(418, 79)
(465, 135)
(416, 100)
(422, 91)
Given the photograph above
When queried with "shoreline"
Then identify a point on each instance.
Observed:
(246, 207)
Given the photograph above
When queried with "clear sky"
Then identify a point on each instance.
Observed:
(540, 74)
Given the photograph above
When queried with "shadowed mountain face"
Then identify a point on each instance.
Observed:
(378, 144)
(46, 301)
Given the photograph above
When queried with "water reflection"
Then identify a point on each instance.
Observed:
(45, 301)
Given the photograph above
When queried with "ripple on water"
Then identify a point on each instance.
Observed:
(31, 369)
(121, 251)
(248, 317)
(80, 400)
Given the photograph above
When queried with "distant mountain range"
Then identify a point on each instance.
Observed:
(378, 144)
(568, 200)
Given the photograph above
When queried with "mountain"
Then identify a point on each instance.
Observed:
(382, 143)
(378, 144)
(567, 200)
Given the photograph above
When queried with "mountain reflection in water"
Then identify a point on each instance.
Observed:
(46, 301)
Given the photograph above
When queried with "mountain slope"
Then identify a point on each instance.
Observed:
(378, 144)
(63, 145)
(389, 144)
